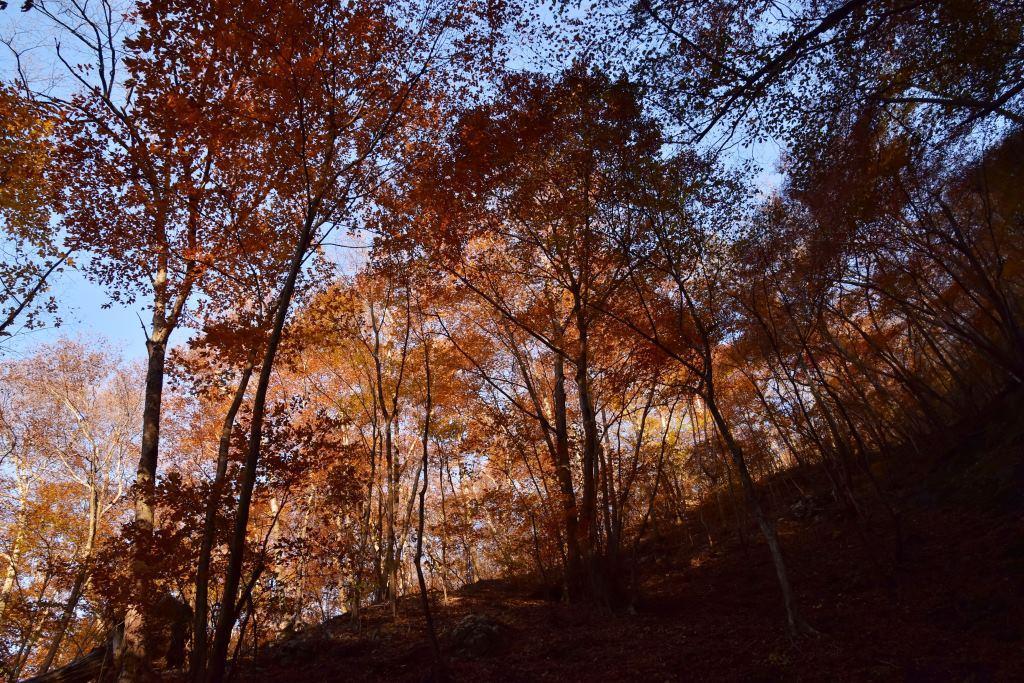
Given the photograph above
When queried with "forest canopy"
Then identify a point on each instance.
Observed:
(436, 294)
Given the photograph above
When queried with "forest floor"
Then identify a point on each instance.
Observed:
(952, 609)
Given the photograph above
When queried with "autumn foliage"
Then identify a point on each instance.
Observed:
(443, 292)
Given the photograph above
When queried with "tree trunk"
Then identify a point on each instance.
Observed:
(597, 578)
(11, 573)
(390, 570)
(197, 662)
(226, 619)
(424, 597)
(79, 585)
(793, 620)
(134, 656)
(564, 472)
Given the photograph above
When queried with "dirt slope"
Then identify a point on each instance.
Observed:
(952, 609)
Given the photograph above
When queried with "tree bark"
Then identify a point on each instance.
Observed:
(11, 573)
(197, 662)
(134, 656)
(564, 473)
(424, 597)
(226, 620)
(597, 579)
(79, 585)
(793, 620)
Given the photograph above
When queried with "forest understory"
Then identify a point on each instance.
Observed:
(708, 607)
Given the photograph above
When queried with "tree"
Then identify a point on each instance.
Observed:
(71, 419)
(158, 175)
(752, 69)
(32, 253)
(536, 182)
(339, 86)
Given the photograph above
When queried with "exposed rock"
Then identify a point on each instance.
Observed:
(807, 507)
(477, 635)
(169, 630)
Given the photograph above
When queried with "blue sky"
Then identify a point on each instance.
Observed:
(83, 314)
(81, 301)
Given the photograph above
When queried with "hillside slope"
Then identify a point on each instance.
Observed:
(952, 609)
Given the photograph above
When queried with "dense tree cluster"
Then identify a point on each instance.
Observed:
(581, 315)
